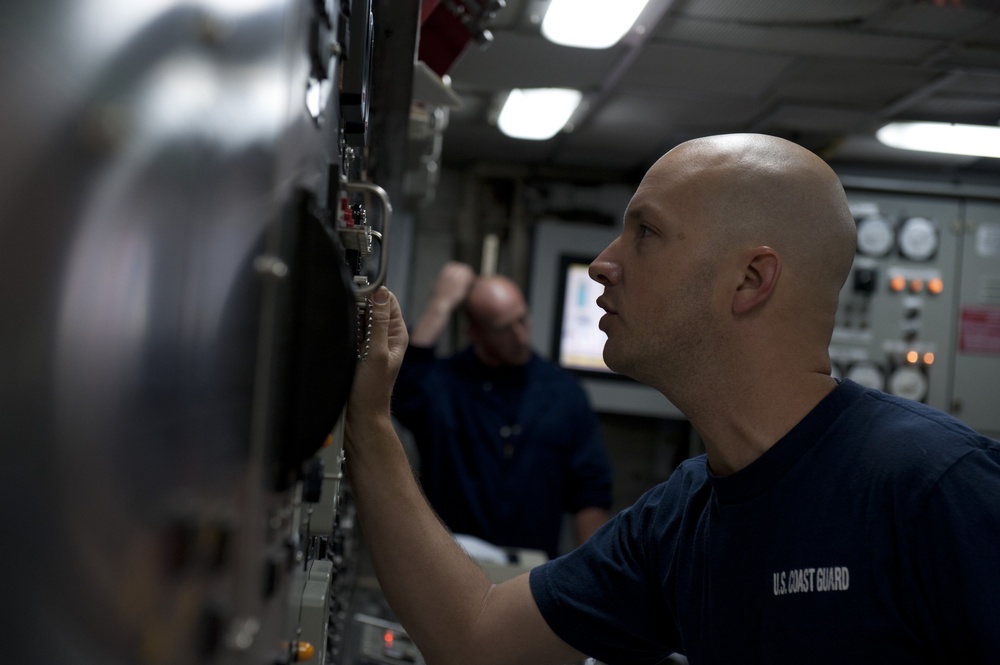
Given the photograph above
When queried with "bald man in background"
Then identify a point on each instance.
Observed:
(507, 441)
(826, 523)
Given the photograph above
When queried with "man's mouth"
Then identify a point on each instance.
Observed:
(603, 304)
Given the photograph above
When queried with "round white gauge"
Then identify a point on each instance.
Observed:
(875, 236)
(908, 382)
(918, 239)
(867, 374)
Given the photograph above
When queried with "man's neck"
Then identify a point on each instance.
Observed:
(738, 428)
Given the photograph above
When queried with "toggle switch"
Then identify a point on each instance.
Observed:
(865, 280)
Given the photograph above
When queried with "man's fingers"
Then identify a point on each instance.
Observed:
(380, 314)
(388, 334)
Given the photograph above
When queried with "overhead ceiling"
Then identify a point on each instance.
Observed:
(823, 73)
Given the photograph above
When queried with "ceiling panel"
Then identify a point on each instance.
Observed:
(956, 109)
(797, 41)
(481, 142)
(663, 113)
(519, 60)
(987, 30)
(782, 11)
(866, 85)
(806, 118)
(825, 73)
(662, 67)
(930, 19)
(975, 84)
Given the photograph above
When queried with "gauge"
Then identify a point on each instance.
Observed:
(908, 382)
(875, 236)
(867, 374)
(918, 239)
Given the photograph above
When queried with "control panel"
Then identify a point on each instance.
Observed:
(897, 322)
(893, 326)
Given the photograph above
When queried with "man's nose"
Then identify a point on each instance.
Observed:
(604, 269)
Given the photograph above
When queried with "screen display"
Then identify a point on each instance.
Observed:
(580, 343)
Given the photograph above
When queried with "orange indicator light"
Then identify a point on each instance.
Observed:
(928, 358)
(912, 357)
(916, 285)
(935, 285)
(897, 283)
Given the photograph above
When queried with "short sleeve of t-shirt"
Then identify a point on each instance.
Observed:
(609, 598)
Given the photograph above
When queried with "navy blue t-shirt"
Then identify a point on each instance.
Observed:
(870, 533)
(504, 452)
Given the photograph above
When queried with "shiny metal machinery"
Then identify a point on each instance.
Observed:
(188, 233)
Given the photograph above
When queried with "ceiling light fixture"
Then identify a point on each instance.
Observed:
(590, 23)
(942, 137)
(537, 114)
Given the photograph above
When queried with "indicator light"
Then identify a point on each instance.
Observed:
(916, 285)
(304, 651)
(935, 285)
(928, 358)
(912, 357)
(897, 283)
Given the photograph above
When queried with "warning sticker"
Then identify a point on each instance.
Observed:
(988, 240)
(979, 330)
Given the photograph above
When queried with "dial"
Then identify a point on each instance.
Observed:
(908, 382)
(867, 374)
(918, 239)
(875, 236)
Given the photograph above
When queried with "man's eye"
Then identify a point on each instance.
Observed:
(644, 231)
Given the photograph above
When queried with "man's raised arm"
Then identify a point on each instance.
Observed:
(441, 597)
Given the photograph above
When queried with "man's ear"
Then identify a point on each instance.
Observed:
(762, 267)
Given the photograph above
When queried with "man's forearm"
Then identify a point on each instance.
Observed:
(442, 598)
(428, 329)
(431, 584)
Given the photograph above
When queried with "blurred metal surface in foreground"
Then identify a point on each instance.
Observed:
(153, 152)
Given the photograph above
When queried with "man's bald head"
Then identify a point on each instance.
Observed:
(490, 296)
(498, 321)
(733, 253)
(764, 190)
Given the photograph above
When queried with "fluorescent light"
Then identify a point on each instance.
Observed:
(950, 138)
(590, 23)
(537, 114)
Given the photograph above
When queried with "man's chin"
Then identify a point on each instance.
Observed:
(623, 366)
(613, 363)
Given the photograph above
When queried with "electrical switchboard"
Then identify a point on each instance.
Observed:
(917, 317)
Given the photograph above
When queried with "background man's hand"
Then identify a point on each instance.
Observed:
(453, 284)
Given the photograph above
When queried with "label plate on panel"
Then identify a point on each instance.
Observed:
(979, 330)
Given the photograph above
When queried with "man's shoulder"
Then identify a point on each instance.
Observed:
(908, 439)
(900, 418)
